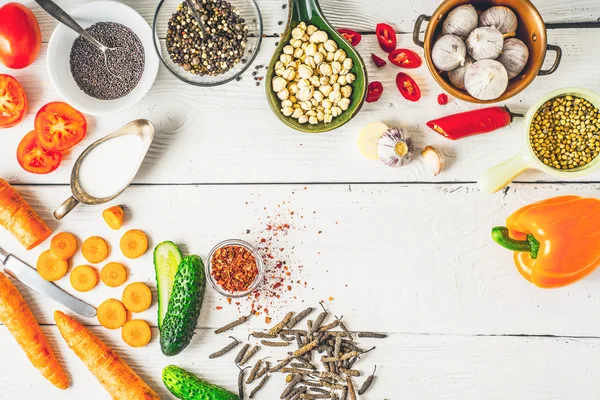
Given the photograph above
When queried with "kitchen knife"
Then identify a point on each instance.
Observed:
(29, 276)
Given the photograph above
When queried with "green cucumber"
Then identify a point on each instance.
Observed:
(184, 306)
(167, 258)
(186, 386)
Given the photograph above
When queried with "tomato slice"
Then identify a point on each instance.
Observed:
(386, 36)
(379, 62)
(374, 92)
(408, 87)
(352, 36)
(33, 157)
(13, 102)
(405, 58)
(60, 126)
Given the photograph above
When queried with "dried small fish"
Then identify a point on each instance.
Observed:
(242, 353)
(350, 372)
(253, 372)
(373, 335)
(259, 386)
(274, 344)
(225, 349)
(306, 348)
(288, 389)
(299, 317)
(282, 364)
(351, 391)
(277, 328)
(233, 324)
(249, 354)
(368, 382)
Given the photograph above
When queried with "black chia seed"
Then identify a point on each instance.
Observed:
(89, 69)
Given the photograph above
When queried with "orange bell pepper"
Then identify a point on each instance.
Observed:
(556, 241)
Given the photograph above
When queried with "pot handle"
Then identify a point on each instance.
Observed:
(558, 50)
(501, 175)
(417, 29)
(66, 208)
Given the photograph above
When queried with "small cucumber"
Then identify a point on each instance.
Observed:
(167, 258)
(186, 386)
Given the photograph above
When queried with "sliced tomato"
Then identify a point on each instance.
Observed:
(379, 62)
(33, 157)
(352, 36)
(408, 87)
(60, 126)
(374, 92)
(386, 36)
(13, 102)
(405, 58)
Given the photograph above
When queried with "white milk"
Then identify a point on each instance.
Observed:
(108, 168)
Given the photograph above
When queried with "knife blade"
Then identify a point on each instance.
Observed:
(29, 276)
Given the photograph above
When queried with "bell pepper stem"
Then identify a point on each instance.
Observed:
(530, 245)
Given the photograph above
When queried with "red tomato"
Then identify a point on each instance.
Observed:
(408, 87)
(442, 99)
(59, 126)
(20, 37)
(34, 158)
(13, 102)
(386, 35)
(352, 36)
(374, 92)
(405, 58)
(379, 62)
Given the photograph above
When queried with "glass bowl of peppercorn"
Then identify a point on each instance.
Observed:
(212, 56)
(234, 268)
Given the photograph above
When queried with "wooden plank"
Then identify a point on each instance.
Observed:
(416, 366)
(391, 258)
(195, 143)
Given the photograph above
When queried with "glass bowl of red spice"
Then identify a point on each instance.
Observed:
(234, 268)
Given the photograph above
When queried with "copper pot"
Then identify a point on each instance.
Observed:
(531, 30)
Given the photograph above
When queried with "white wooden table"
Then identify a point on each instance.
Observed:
(397, 250)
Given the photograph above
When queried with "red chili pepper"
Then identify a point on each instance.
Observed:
(408, 87)
(374, 92)
(352, 36)
(474, 122)
(405, 58)
(379, 62)
(442, 99)
(386, 35)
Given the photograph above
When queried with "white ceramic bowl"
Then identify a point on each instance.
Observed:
(59, 49)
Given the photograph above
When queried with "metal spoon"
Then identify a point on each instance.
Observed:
(197, 17)
(61, 16)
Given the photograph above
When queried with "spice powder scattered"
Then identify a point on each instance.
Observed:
(234, 268)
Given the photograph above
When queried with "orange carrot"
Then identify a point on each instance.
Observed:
(84, 278)
(137, 297)
(95, 249)
(134, 243)
(114, 216)
(20, 322)
(112, 314)
(63, 245)
(19, 218)
(113, 274)
(119, 380)
(136, 333)
(50, 267)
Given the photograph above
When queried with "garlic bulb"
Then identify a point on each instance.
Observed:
(434, 159)
(448, 53)
(486, 80)
(501, 18)
(460, 21)
(514, 56)
(457, 75)
(395, 147)
(485, 43)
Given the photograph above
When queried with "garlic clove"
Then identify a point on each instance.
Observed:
(448, 53)
(501, 18)
(434, 159)
(514, 56)
(485, 43)
(486, 80)
(460, 21)
(395, 147)
(457, 75)
(368, 138)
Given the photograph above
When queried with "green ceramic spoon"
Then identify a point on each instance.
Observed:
(309, 11)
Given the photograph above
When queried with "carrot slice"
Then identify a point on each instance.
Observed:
(95, 249)
(50, 267)
(134, 243)
(136, 333)
(114, 216)
(84, 278)
(112, 314)
(113, 274)
(63, 245)
(137, 297)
